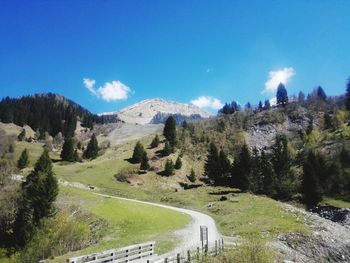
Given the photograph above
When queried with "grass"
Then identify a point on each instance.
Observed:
(252, 216)
(128, 222)
(336, 202)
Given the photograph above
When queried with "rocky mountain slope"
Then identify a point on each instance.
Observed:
(155, 110)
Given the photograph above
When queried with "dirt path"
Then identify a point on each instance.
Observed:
(189, 236)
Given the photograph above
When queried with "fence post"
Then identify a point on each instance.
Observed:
(166, 260)
(188, 256)
(197, 253)
(216, 247)
(222, 243)
(178, 258)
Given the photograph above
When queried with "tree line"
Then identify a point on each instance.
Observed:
(48, 113)
(271, 172)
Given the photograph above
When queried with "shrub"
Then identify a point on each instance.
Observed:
(55, 237)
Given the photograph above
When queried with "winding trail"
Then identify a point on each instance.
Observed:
(189, 236)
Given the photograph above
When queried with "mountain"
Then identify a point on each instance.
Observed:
(157, 110)
(48, 112)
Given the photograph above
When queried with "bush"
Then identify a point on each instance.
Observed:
(124, 175)
(55, 237)
(249, 252)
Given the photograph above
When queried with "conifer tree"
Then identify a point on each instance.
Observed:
(138, 152)
(168, 149)
(267, 105)
(242, 169)
(211, 167)
(76, 156)
(144, 166)
(347, 95)
(301, 97)
(281, 95)
(260, 106)
(169, 168)
(169, 131)
(23, 160)
(320, 93)
(192, 176)
(11, 148)
(281, 162)
(267, 174)
(311, 188)
(224, 166)
(310, 126)
(22, 135)
(327, 121)
(92, 148)
(178, 163)
(67, 153)
(39, 193)
(155, 141)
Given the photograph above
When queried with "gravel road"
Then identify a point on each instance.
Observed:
(190, 235)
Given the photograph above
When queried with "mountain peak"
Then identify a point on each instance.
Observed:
(144, 111)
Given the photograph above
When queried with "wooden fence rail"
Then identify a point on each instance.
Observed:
(196, 255)
(135, 253)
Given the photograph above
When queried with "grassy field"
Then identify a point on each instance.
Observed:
(128, 222)
(247, 216)
(336, 202)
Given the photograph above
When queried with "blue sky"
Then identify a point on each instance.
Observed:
(179, 50)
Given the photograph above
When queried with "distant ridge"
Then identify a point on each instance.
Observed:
(156, 110)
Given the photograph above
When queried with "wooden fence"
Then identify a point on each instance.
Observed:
(190, 256)
(136, 253)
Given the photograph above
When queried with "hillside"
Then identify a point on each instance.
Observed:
(156, 111)
(49, 112)
(241, 216)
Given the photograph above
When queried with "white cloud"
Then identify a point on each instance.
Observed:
(276, 77)
(89, 84)
(208, 102)
(209, 70)
(273, 101)
(110, 91)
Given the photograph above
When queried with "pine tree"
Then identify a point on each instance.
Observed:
(224, 166)
(23, 160)
(242, 169)
(320, 93)
(281, 162)
(92, 148)
(301, 97)
(310, 126)
(76, 156)
(267, 174)
(138, 153)
(39, 193)
(144, 162)
(22, 135)
(155, 141)
(260, 106)
(168, 149)
(347, 95)
(281, 95)
(192, 176)
(169, 168)
(211, 167)
(311, 188)
(11, 148)
(67, 153)
(178, 163)
(327, 121)
(267, 105)
(169, 131)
